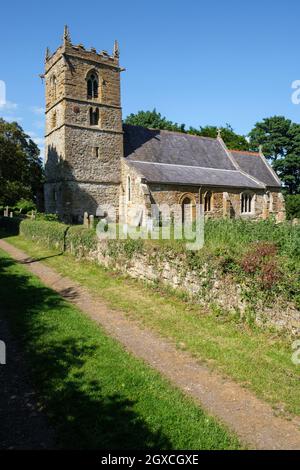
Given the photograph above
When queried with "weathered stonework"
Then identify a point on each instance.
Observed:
(207, 288)
(83, 160)
(224, 203)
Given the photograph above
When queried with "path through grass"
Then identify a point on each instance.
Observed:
(259, 360)
(95, 394)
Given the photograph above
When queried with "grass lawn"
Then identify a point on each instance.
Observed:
(259, 360)
(95, 393)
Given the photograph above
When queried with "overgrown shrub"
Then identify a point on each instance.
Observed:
(24, 206)
(261, 261)
(235, 236)
(258, 254)
(46, 216)
(51, 234)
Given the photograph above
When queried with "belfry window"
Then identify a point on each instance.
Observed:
(94, 116)
(92, 86)
(246, 203)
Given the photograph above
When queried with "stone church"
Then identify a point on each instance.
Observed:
(92, 159)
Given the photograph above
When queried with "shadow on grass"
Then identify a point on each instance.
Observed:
(42, 258)
(82, 413)
(9, 228)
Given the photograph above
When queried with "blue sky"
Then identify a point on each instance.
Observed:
(197, 62)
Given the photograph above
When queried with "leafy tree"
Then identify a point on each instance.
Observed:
(273, 134)
(292, 205)
(153, 120)
(288, 169)
(280, 140)
(232, 140)
(20, 165)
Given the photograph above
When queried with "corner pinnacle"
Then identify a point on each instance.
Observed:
(67, 37)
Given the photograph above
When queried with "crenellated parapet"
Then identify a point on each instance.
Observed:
(68, 48)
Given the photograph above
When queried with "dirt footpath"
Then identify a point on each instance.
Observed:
(250, 418)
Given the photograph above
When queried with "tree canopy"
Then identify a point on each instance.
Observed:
(280, 140)
(154, 120)
(233, 140)
(21, 170)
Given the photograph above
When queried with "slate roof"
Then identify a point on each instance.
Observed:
(256, 165)
(193, 175)
(175, 158)
(153, 145)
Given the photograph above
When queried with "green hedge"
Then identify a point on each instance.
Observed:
(80, 241)
(51, 234)
(76, 239)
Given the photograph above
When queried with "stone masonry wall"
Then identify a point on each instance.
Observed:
(208, 288)
(225, 202)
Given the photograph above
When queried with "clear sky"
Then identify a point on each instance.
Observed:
(197, 62)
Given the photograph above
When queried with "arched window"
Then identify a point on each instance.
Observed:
(128, 188)
(186, 206)
(94, 116)
(92, 86)
(246, 203)
(208, 201)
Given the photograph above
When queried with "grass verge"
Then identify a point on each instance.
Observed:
(259, 360)
(96, 394)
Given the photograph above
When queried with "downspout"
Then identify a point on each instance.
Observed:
(200, 199)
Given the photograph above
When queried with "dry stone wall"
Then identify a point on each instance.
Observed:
(204, 285)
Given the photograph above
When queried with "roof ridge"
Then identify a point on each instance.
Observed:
(187, 166)
(171, 132)
(270, 168)
(260, 156)
(245, 151)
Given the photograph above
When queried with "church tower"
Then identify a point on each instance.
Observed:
(84, 138)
